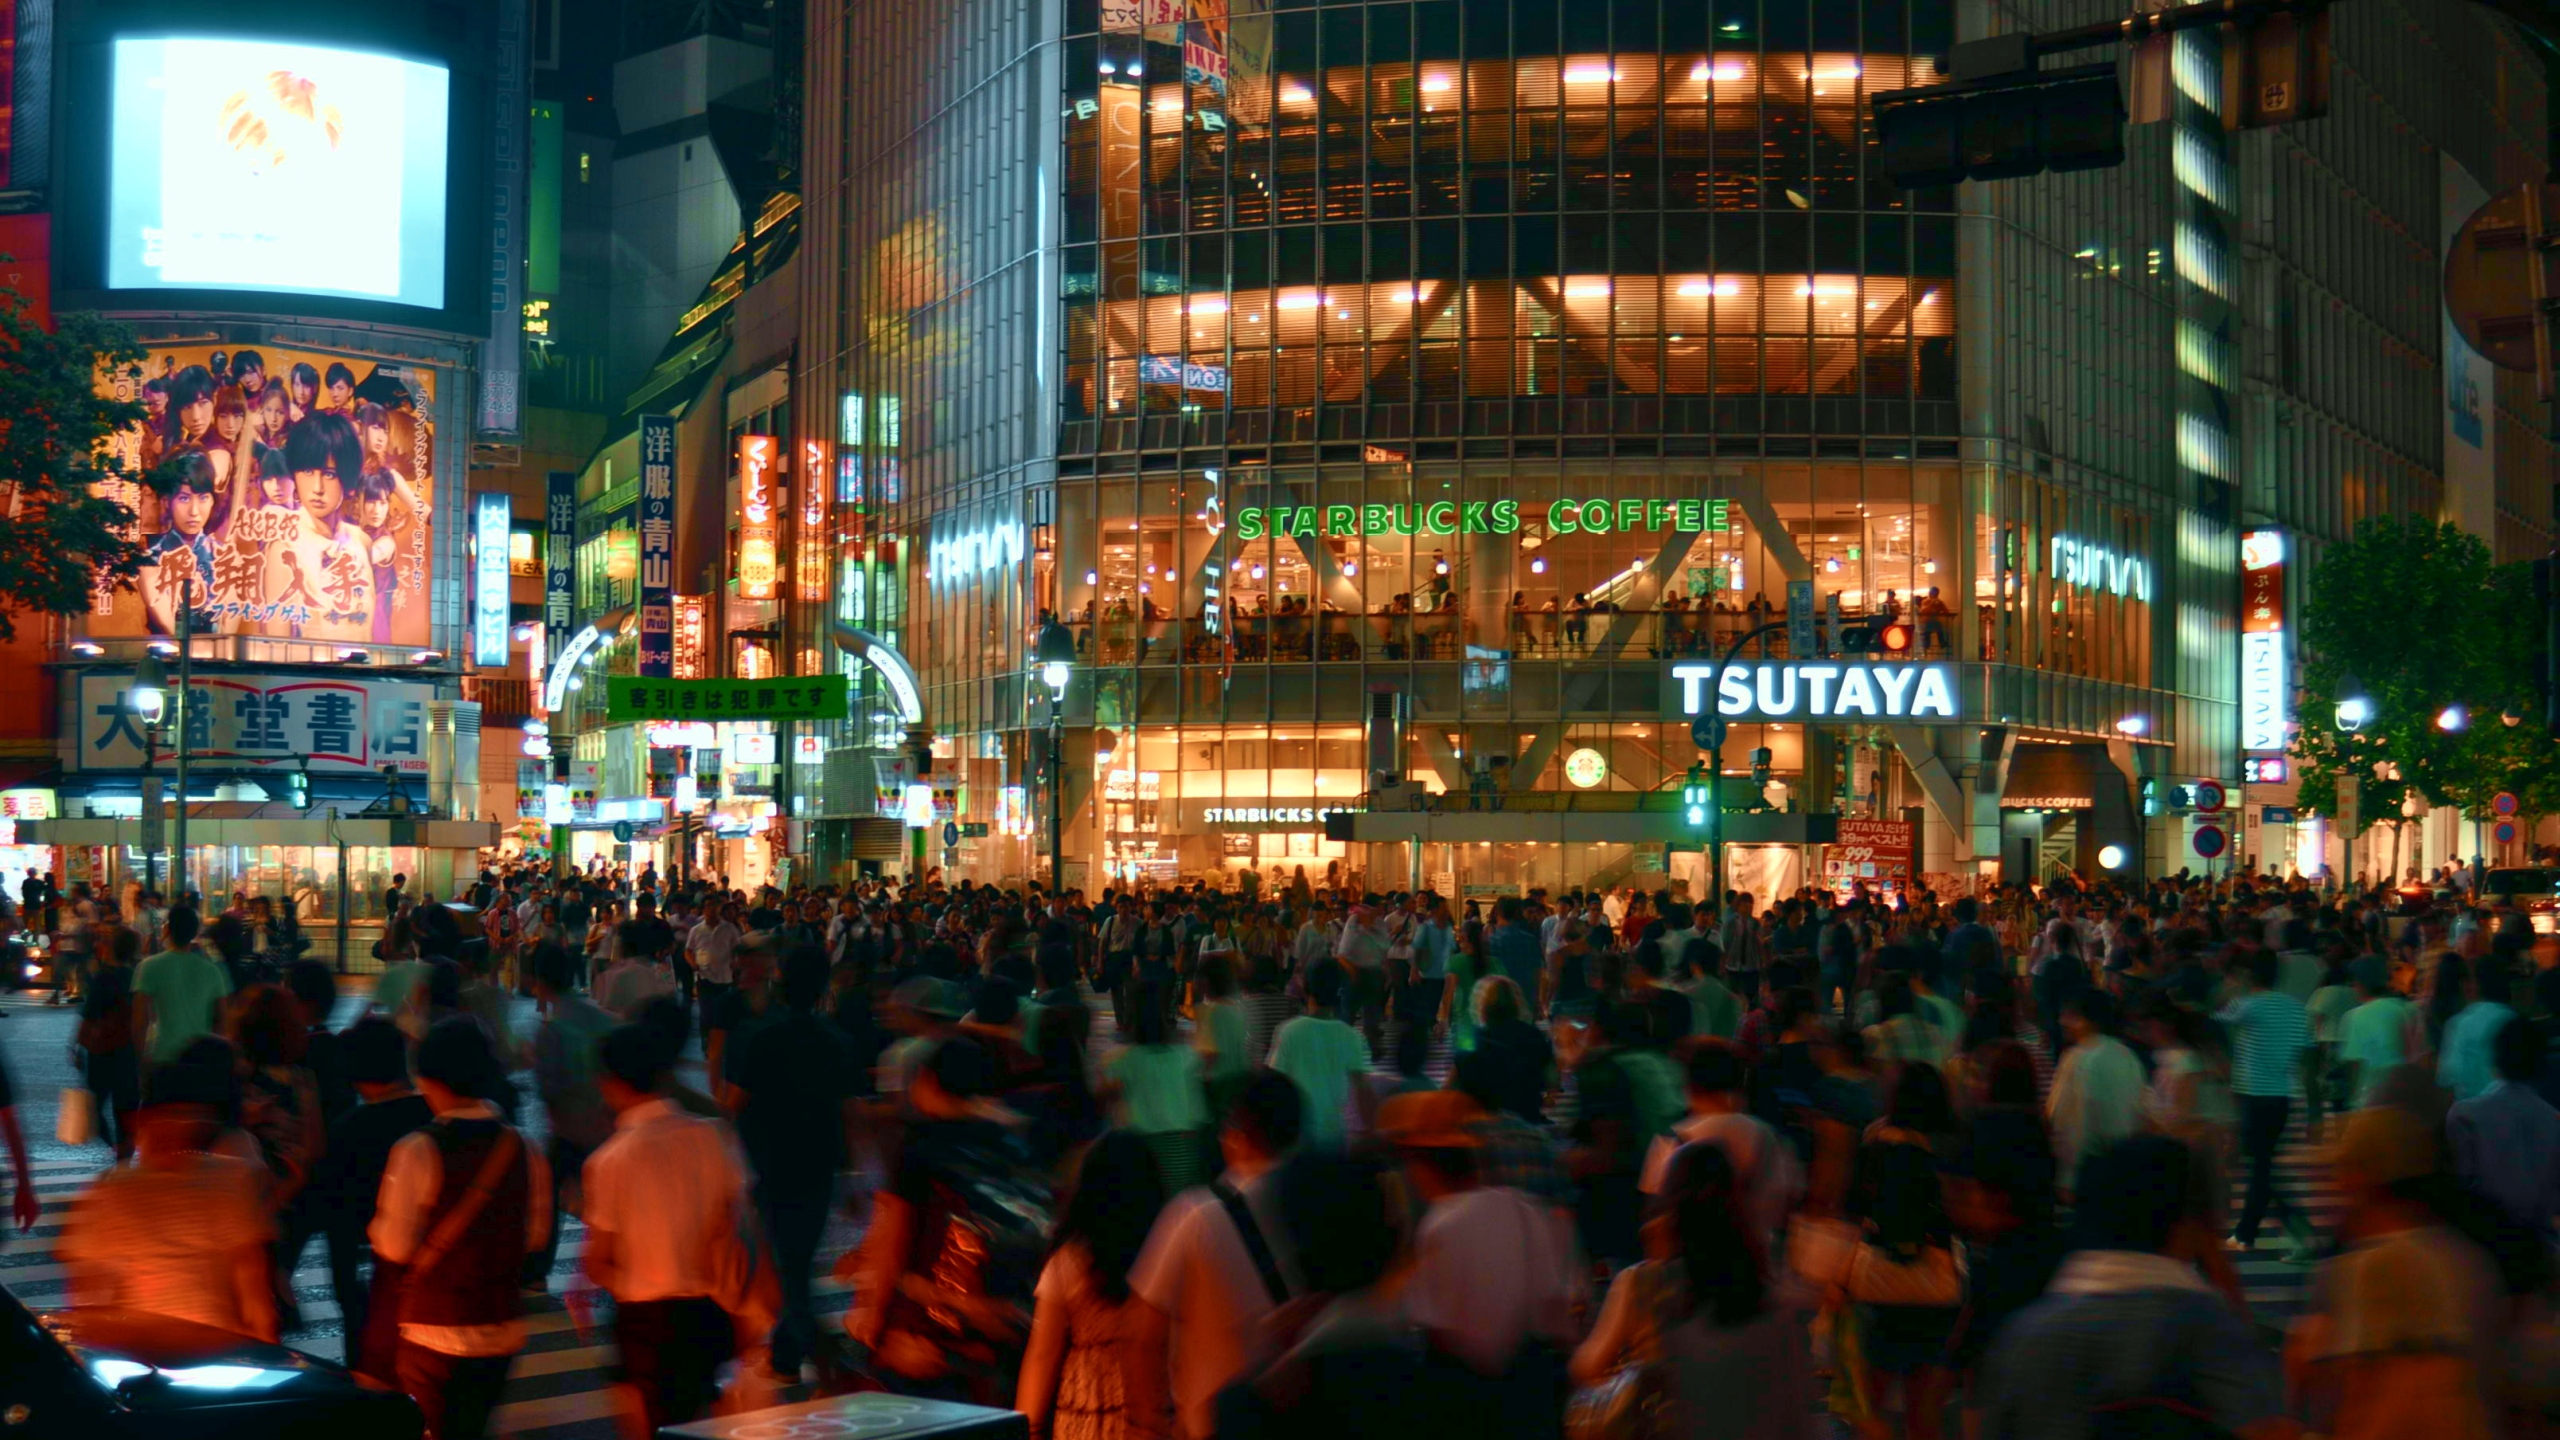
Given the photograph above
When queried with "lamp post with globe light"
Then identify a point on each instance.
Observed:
(1055, 652)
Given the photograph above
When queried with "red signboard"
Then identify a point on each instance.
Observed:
(26, 256)
(759, 528)
(1877, 852)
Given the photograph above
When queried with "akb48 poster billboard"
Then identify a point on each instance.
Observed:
(304, 501)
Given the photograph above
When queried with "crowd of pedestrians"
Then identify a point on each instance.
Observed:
(1196, 1163)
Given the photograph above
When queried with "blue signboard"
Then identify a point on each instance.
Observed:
(492, 511)
(559, 552)
(657, 545)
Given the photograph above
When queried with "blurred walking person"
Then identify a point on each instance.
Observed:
(665, 1198)
(462, 1203)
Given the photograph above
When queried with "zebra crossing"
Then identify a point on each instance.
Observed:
(561, 1386)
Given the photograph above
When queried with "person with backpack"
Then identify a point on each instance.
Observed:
(943, 1280)
(1211, 1271)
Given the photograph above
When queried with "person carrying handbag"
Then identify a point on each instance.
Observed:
(463, 1201)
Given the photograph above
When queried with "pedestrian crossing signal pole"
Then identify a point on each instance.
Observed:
(1707, 731)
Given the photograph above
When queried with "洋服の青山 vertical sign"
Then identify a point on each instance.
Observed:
(657, 544)
(759, 540)
(2264, 678)
(559, 550)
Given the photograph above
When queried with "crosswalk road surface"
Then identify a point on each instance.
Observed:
(561, 1387)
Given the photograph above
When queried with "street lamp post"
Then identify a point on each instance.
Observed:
(147, 699)
(1713, 744)
(1056, 653)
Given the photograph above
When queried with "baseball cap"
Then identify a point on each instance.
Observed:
(1430, 1120)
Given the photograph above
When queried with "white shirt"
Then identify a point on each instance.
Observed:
(1762, 1161)
(410, 1184)
(1492, 1269)
(714, 948)
(668, 1187)
(1364, 946)
(629, 985)
(1196, 1270)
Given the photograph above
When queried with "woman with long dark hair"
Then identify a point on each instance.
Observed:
(1073, 1383)
(1698, 1307)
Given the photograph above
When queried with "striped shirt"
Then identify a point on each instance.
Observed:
(2269, 1032)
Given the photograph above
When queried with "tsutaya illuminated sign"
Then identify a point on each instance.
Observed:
(2095, 567)
(1912, 692)
(966, 556)
(1480, 517)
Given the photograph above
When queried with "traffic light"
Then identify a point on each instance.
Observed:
(1695, 798)
(919, 752)
(2275, 69)
(2022, 123)
(297, 788)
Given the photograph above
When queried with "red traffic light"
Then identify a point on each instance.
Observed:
(1894, 639)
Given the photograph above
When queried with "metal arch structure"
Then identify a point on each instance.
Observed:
(895, 672)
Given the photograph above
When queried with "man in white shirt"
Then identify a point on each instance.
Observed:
(713, 948)
(1362, 945)
(1493, 1269)
(1205, 1284)
(664, 1197)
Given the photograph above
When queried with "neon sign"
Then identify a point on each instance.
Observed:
(2095, 567)
(759, 562)
(1808, 690)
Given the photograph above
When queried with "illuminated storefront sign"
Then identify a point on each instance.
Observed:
(492, 511)
(1480, 517)
(1306, 815)
(759, 556)
(970, 554)
(559, 548)
(2095, 567)
(1586, 767)
(2266, 712)
(1813, 690)
(657, 544)
(693, 631)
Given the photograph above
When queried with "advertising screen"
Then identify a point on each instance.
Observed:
(260, 165)
(305, 501)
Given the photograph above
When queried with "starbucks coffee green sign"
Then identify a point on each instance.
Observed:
(1479, 517)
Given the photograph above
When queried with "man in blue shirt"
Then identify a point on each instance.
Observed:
(1515, 948)
(1973, 950)
(2471, 1036)
(2269, 1031)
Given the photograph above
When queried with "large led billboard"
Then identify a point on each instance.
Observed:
(261, 165)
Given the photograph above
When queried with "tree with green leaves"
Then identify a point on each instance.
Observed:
(62, 539)
(2413, 610)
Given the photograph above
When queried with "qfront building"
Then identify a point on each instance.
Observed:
(1405, 407)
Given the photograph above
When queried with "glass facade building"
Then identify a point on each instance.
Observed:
(1434, 375)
